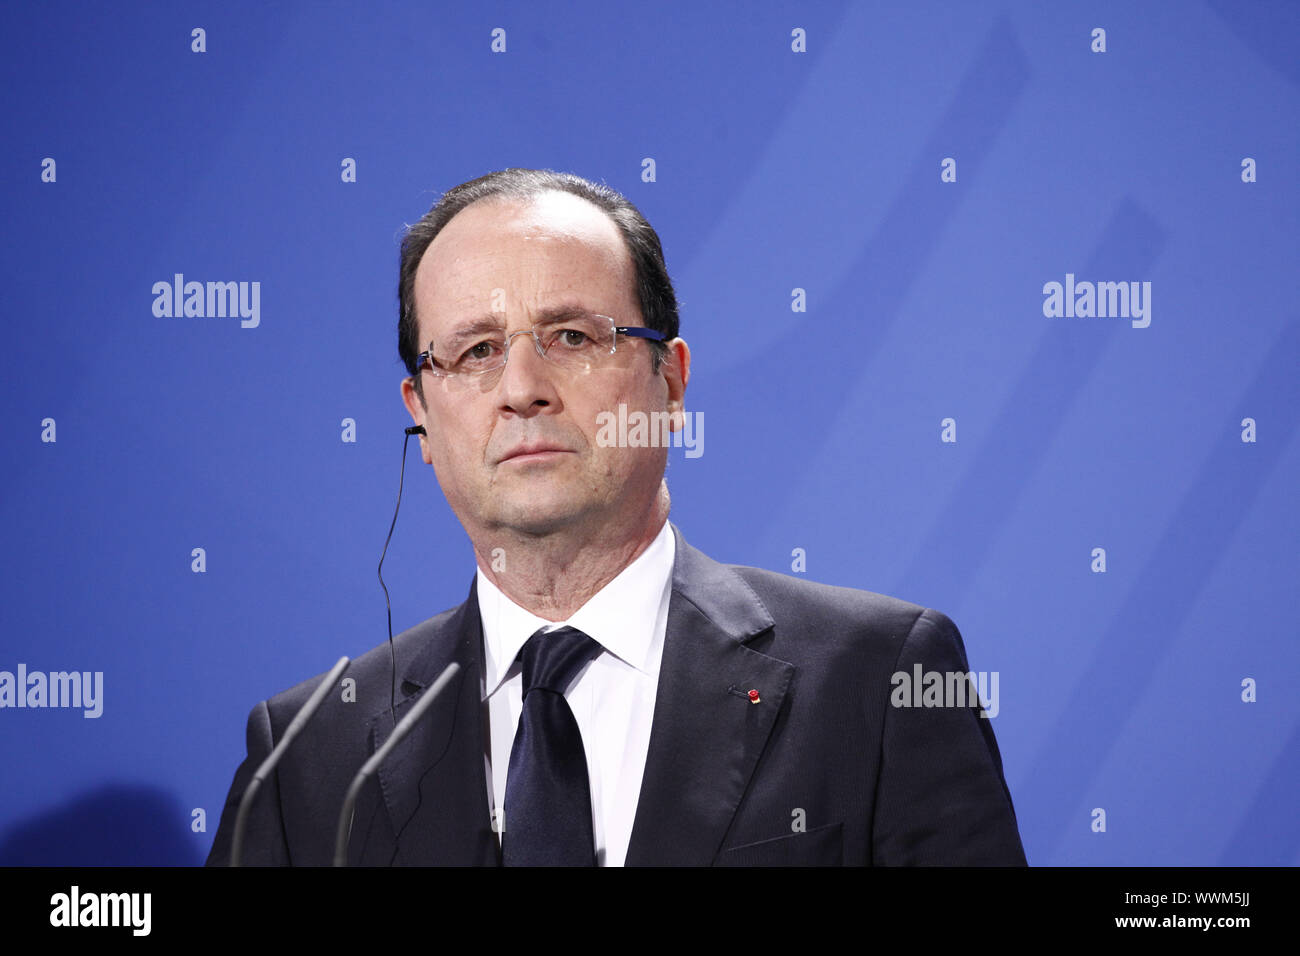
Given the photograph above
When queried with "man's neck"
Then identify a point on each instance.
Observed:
(553, 576)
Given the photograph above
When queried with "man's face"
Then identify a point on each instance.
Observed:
(516, 449)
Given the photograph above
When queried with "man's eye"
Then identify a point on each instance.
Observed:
(478, 354)
(572, 338)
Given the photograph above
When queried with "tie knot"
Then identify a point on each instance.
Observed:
(553, 658)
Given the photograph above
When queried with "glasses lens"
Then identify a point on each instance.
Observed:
(577, 341)
(468, 354)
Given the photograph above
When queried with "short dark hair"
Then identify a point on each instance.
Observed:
(654, 287)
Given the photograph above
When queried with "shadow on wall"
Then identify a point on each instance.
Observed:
(118, 825)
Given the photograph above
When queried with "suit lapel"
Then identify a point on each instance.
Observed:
(706, 737)
(433, 783)
(434, 786)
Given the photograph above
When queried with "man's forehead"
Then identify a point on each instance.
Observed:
(554, 244)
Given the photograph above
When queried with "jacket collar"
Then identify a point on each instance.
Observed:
(435, 785)
(707, 736)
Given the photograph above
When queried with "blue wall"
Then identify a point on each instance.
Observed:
(773, 170)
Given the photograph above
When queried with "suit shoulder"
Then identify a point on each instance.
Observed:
(835, 615)
(787, 591)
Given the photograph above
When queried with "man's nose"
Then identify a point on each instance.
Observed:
(526, 380)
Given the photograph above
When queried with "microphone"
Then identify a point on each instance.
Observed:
(305, 713)
(309, 709)
(370, 766)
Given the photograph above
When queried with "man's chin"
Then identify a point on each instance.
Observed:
(537, 520)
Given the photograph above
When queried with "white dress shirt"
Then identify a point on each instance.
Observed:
(612, 698)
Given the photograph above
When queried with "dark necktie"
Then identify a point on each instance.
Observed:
(548, 797)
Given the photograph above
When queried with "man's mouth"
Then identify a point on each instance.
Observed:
(534, 451)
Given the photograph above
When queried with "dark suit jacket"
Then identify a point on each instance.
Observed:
(822, 770)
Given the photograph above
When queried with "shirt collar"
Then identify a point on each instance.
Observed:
(621, 617)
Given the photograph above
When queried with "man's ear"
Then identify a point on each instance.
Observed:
(415, 405)
(676, 370)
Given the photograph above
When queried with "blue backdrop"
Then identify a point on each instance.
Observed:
(863, 207)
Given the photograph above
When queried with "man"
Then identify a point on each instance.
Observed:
(700, 713)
